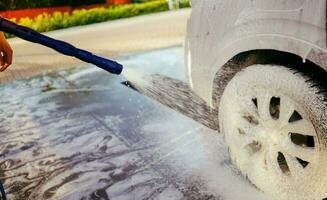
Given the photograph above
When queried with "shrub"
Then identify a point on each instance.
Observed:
(82, 2)
(25, 4)
(22, 4)
(142, 1)
(184, 4)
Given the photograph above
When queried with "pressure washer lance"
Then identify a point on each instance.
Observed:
(60, 46)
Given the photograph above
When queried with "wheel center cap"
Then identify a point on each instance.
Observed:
(272, 133)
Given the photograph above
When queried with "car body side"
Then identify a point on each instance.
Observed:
(219, 30)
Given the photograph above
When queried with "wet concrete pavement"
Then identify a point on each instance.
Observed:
(81, 134)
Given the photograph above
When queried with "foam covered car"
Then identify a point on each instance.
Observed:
(262, 65)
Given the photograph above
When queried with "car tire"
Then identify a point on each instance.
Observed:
(275, 124)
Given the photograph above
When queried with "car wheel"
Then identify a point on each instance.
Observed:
(275, 129)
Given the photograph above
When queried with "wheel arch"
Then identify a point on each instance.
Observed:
(211, 45)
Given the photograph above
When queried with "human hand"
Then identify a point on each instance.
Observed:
(6, 53)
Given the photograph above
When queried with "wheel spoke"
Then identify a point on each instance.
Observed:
(264, 104)
(249, 108)
(253, 147)
(272, 156)
(302, 126)
(245, 140)
(286, 111)
(247, 132)
(304, 153)
(247, 127)
(293, 164)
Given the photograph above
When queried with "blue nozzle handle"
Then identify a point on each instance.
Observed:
(60, 46)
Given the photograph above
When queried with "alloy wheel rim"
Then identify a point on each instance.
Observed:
(275, 130)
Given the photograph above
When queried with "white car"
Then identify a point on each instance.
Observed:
(262, 65)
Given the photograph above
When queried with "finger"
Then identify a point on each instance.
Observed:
(6, 58)
(4, 67)
(2, 61)
(8, 54)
